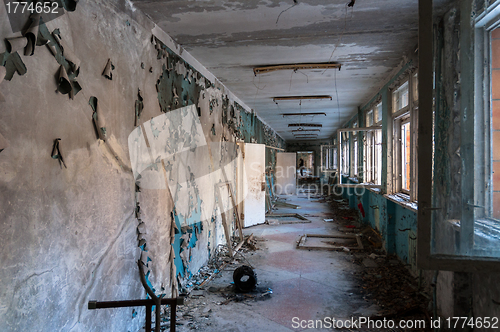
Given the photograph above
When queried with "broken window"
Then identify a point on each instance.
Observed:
(458, 193)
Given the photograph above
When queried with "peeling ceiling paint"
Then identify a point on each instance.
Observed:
(231, 37)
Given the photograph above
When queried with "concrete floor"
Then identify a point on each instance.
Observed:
(306, 284)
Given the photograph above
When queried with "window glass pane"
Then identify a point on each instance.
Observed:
(335, 158)
(415, 86)
(466, 188)
(378, 113)
(378, 157)
(368, 157)
(355, 152)
(405, 156)
(400, 97)
(369, 118)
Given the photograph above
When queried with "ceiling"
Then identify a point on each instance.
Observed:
(230, 37)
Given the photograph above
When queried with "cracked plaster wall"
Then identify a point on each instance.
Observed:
(70, 235)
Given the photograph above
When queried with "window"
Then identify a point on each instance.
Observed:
(328, 158)
(404, 109)
(405, 156)
(372, 147)
(378, 113)
(400, 98)
(345, 150)
(369, 118)
(354, 137)
(355, 162)
(458, 220)
(369, 174)
(377, 154)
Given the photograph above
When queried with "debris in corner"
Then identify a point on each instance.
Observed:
(107, 70)
(139, 106)
(98, 119)
(56, 153)
(222, 280)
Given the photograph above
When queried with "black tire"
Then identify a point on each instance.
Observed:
(247, 285)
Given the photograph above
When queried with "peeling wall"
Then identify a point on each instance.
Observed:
(73, 232)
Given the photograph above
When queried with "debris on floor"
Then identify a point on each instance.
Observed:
(219, 260)
(244, 278)
(286, 218)
(342, 242)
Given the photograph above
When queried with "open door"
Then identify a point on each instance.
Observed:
(286, 175)
(252, 183)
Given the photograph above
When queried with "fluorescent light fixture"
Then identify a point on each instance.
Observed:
(296, 66)
(304, 130)
(305, 125)
(302, 97)
(303, 114)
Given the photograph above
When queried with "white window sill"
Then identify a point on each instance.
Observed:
(403, 201)
(375, 190)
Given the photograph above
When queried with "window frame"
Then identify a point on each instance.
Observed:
(341, 142)
(372, 151)
(329, 158)
(406, 114)
(472, 84)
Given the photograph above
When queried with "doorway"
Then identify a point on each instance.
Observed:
(305, 164)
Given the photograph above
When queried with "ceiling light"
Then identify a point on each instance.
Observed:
(306, 135)
(296, 66)
(305, 125)
(304, 130)
(301, 97)
(303, 114)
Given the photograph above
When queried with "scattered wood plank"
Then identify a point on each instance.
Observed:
(328, 245)
(276, 217)
(287, 205)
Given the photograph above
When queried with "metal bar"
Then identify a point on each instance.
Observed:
(173, 310)
(148, 318)
(131, 303)
(155, 298)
